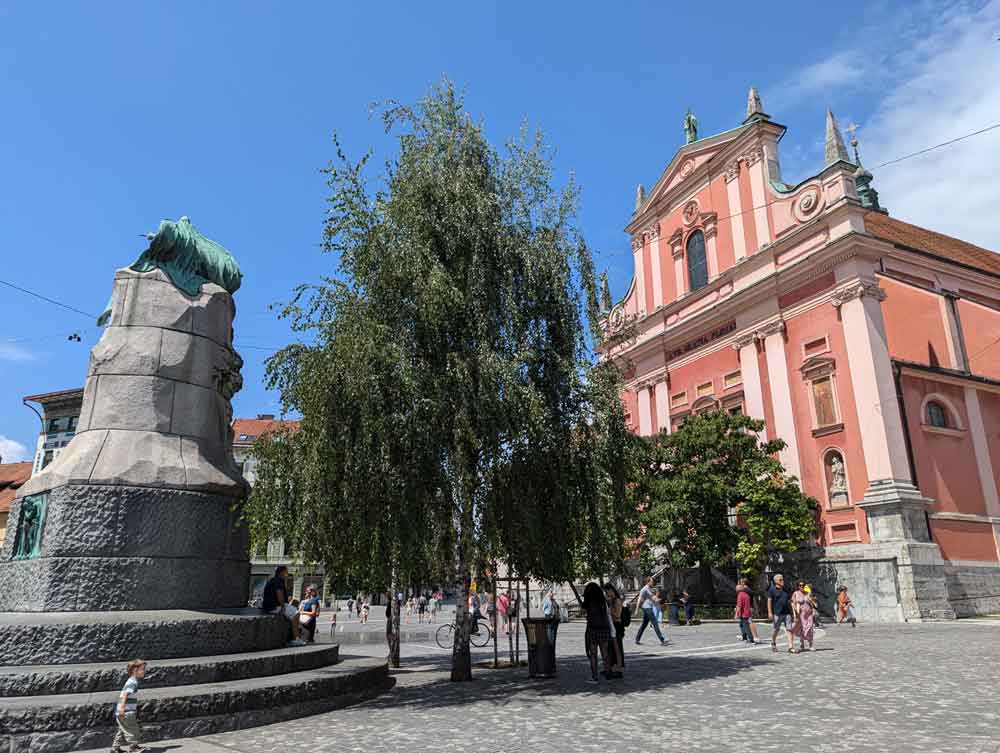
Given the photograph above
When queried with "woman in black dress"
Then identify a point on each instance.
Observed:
(617, 645)
(598, 634)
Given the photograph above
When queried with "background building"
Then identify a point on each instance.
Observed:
(870, 345)
(59, 415)
(246, 431)
(12, 476)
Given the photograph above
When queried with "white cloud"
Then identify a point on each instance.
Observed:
(13, 352)
(950, 89)
(923, 73)
(11, 451)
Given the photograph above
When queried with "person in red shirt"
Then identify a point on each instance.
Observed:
(744, 610)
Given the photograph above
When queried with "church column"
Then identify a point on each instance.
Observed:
(653, 234)
(755, 167)
(663, 404)
(735, 209)
(710, 228)
(640, 277)
(980, 447)
(677, 253)
(753, 392)
(773, 335)
(894, 506)
(645, 411)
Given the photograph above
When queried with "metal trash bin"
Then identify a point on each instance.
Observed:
(541, 636)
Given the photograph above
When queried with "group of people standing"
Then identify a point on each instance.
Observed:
(797, 612)
(424, 606)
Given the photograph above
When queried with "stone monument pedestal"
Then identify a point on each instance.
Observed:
(129, 545)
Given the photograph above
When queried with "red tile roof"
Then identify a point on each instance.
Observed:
(928, 242)
(252, 428)
(12, 476)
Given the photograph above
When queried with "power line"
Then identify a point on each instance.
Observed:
(938, 146)
(47, 299)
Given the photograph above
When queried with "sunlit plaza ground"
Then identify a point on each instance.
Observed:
(911, 687)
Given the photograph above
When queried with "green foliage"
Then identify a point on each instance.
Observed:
(451, 413)
(713, 467)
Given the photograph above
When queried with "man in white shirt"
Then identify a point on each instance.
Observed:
(647, 599)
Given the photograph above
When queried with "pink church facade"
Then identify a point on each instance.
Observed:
(871, 346)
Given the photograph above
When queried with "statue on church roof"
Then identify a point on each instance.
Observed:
(606, 301)
(690, 127)
(640, 196)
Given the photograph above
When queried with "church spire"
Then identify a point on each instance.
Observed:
(755, 108)
(835, 149)
(867, 194)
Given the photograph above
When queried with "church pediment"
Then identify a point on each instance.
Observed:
(686, 162)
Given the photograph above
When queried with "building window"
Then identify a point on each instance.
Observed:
(47, 458)
(937, 416)
(824, 401)
(732, 379)
(678, 399)
(71, 423)
(705, 390)
(735, 410)
(697, 261)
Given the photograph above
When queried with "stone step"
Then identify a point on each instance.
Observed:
(75, 637)
(61, 723)
(62, 679)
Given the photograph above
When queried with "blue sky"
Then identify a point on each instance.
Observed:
(116, 115)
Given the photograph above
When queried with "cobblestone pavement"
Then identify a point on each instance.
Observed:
(919, 687)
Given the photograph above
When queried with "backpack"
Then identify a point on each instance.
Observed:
(626, 617)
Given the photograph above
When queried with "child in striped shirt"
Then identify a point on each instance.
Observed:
(128, 730)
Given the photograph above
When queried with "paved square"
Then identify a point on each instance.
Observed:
(918, 687)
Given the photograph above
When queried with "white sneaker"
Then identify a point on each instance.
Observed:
(296, 643)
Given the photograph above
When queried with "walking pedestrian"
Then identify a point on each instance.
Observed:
(616, 647)
(648, 600)
(503, 603)
(127, 729)
(744, 610)
(421, 608)
(365, 607)
(802, 606)
(598, 633)
(779, 612)
(844, 609)
(434, 605)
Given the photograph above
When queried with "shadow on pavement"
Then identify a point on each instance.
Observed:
(642, 673)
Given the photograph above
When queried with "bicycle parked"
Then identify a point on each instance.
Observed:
(445, 635)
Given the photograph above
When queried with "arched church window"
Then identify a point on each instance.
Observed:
(937, 415)
(697, 262)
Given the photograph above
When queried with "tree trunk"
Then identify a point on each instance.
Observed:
(461, 656)
(707, 582)
(392, 629)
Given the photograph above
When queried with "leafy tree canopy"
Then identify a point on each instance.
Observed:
(451, 412)
(713, 490)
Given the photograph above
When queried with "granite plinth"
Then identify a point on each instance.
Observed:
(79, 637)
(54, 724)
(130, 548)
(63, 679)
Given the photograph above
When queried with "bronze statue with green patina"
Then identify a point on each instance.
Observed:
(188, 258)
(29, 528)
(690, 127)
